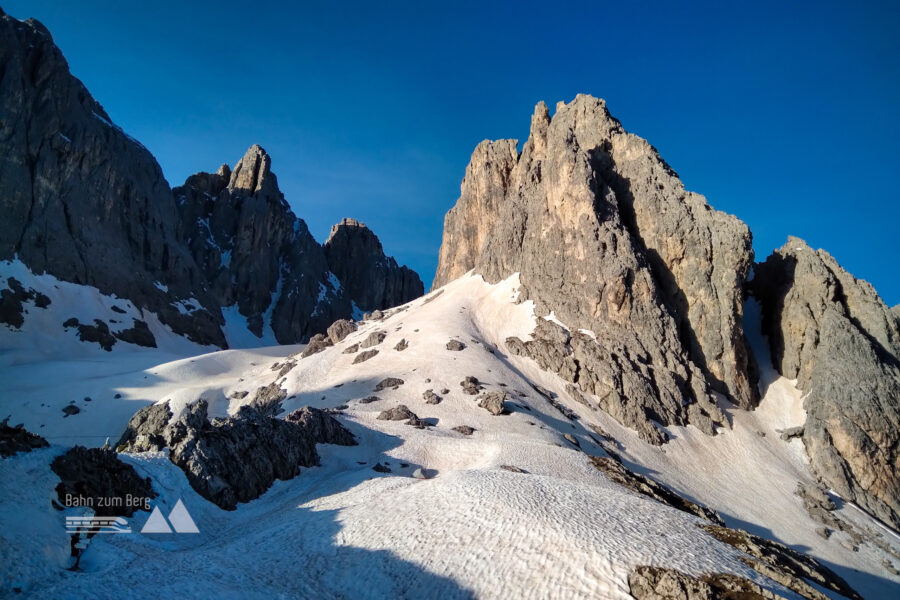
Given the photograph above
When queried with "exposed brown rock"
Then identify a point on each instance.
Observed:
(834, 334)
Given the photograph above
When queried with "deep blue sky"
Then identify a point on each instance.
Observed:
(786, 116)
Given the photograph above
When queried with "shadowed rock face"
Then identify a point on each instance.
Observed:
(372, 280)
(603, 233)
(834, 334)
(255, 252)
(235, 459)
(80, 199)
(86, 203)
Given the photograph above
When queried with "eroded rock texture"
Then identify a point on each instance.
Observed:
(81, 200)
(256, 253)
(834, 334)
(372, 280)
(604, 234)
(238, 458)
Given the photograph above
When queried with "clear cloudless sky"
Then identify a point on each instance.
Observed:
(786, 114)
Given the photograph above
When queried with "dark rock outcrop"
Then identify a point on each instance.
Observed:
(603, 233)
(613, 469)
(235, 459)
(81, 199)
(834, 334)
(783, 564)
(256, 253)
(95, 476)
(88, 204)
(372, 280)
(18, 439)
(661, 583)
(12, 301)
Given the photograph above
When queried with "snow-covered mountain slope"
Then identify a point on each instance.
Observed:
(513, 510)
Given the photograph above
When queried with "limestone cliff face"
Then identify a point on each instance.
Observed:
(256, 253)
(80, 199)
(371, 280)
(604, 235)
(834, 334)
(83, 201)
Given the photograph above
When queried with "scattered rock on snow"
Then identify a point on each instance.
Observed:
(790, 433)
(398, 413)
(373, 339)
(494, 402)
(389, 382)
(513, 469)
(471, 386)
(351, 349)
(340, 329)
(455, 345)
(316, 344)
(464, 429)
(369, 399)
(430, 397)
(401, 345)
(71, 409)
(364, 356)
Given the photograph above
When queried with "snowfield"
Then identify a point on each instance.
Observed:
(560, 529)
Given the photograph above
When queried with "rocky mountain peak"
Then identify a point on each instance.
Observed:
(604, 235)
(344, 224)
(832, 333)
(372, 280)
(253, 174)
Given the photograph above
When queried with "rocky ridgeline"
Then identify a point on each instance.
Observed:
(603, 234)
(650, 281)
(88, 204)
(834, 334)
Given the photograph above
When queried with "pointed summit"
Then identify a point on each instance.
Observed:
(372, 280)
(253, 173)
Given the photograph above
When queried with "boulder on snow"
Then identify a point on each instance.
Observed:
(364, 356)
(340, 329)
(455, 345)
(470, 385)
(494, 402)
(430, 397)
(388, 382)
(398, 413)
(464, 429)
(373, 339)
(316, 344)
